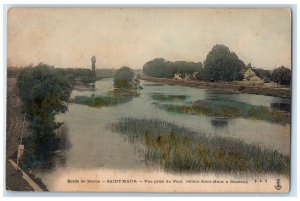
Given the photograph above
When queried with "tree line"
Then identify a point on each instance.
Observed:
(220, 64)
(160, 67)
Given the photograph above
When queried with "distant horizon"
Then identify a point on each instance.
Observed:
(99, 68)
(69, 37)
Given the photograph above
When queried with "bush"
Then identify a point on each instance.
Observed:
(124, 78)
(281, 75)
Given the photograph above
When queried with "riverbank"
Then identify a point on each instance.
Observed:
(259, 90)
(14, 123)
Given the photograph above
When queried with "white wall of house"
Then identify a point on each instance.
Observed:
(249, 72)
(251, 78)
(177, 76)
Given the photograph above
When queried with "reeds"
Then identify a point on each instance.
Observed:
(179, 149)
(228, 109)
(115, 97)
(163, 97)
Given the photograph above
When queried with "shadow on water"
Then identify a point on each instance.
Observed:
(216, 94)
(219, 123)
(286, 107)
(153, 85)
(46, 157)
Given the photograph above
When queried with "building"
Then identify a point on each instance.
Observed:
(186, 76)
(178, 76)
(249, 76)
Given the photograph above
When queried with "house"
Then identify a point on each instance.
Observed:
(178, 76)
(195, 75)
(186, 76)
(249, 76)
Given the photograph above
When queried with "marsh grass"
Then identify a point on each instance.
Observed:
(228, 109)
(179, 149)
(163, 97)
(115, 97)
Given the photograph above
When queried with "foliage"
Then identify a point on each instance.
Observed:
(159, 67)
(104, 73)
(124, 78)
(262, 73)
(228, 109)
(222, 65)
(281, 75)
(186, 67)
(114, 98)
(163, 97)
(14, 72)
(179, 149)
(76, 72)
(85, 75)
(44, 92)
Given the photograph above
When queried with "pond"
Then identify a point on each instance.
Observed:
(93, 146)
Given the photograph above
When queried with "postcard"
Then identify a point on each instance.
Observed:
(148, 99)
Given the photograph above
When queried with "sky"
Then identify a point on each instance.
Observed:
(69, 37)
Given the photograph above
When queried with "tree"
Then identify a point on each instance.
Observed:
(186, 67)
(124, 78)
(281, 75)
(44, 92)
(222, 65)
(158, 68)
(262, 73)
(162, 68)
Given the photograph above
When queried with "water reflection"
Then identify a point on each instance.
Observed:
(286, 107)
(50, 158)
(219, 123)
(92, 146)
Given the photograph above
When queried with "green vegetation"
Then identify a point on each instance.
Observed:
(161, 68)
(105, 73)
(228, 109)
(154, 85)
(262, 73)
(124, 78)
(14, 72)
(101, 101)
(44, 92)
(179, 149)
(163, 97)
(125, 90)
(281, 75)
(222, 65)
(118, 96)
(84, 75)
(87, 75)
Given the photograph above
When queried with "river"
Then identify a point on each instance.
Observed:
(91, 147)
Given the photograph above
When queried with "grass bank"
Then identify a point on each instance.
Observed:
(163, 97)
(115, 97)
(228, 109)
(179, 149)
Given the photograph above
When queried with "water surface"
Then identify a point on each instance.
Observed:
(92, 145)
